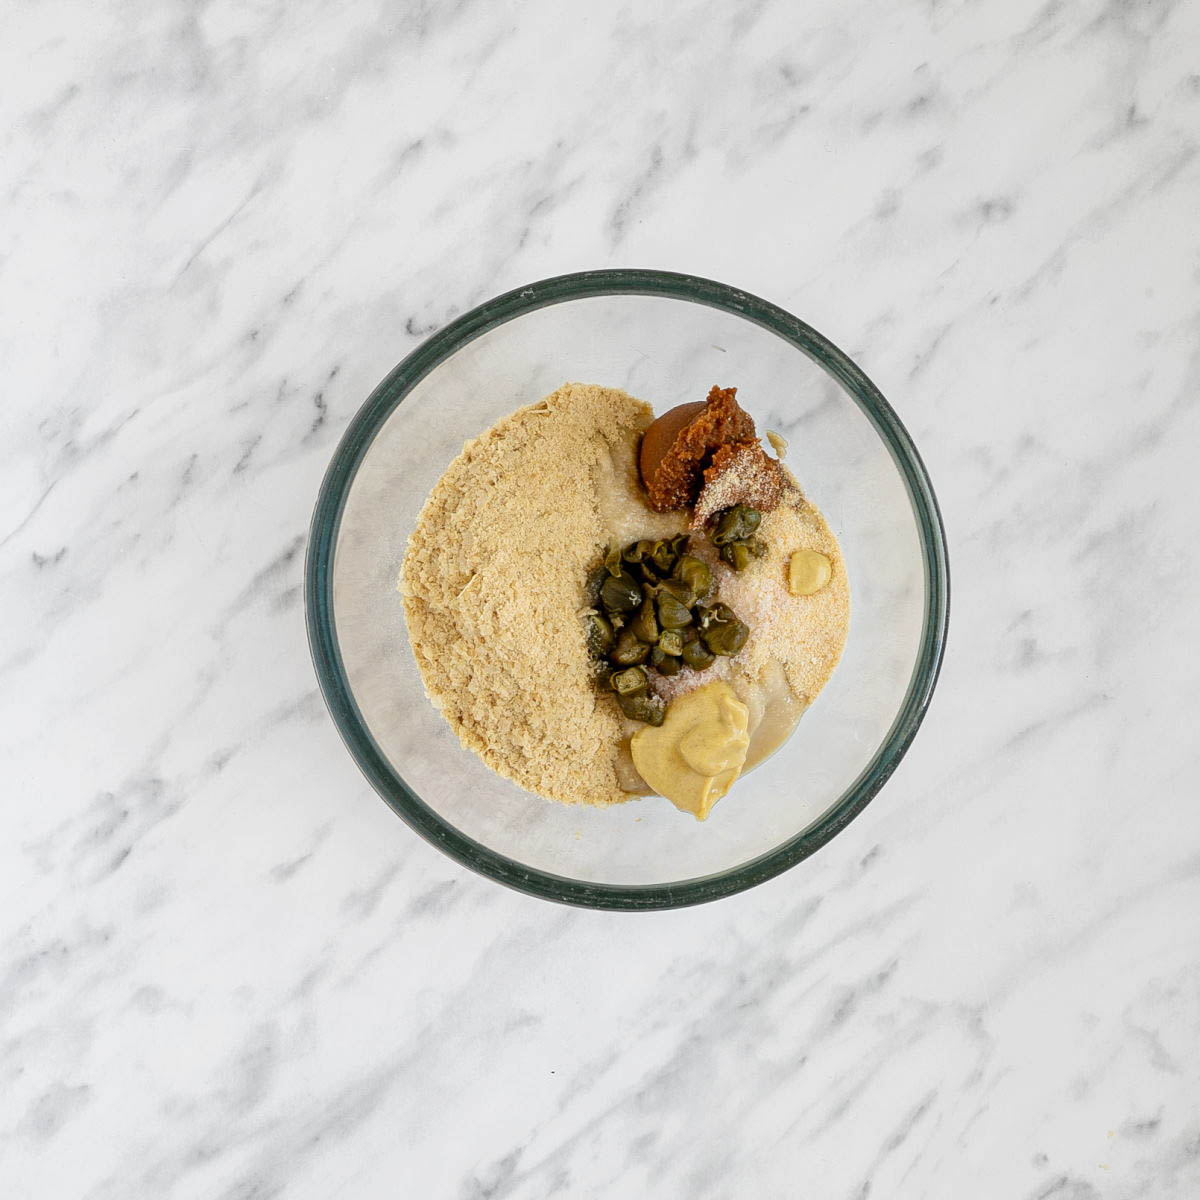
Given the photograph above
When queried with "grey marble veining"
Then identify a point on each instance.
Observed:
(226, 970)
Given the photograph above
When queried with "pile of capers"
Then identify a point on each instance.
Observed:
(651, 607)
(733, 535)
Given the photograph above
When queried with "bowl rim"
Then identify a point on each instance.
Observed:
(390, 393)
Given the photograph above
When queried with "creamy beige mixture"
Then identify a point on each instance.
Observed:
(795, 641)
(493, 589)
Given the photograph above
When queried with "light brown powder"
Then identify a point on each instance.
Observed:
(493, 585)
(740, 473)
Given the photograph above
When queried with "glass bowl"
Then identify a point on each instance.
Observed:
(667, 339)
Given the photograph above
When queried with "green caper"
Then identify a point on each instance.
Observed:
(671, 642)
(698, 656)
(644, 706)
(592, 585)
(645, 624)
(736, 554)
(621, 593)
(636, 552)
(672, 612)
(629, 649)
(727, 528)
(724, 527)
(630, 682)
(612, 560)
(726, 637)
(695, 574)
(679, 544)
(664, 664)
(678, 589)
(735, 524)
(664, 557)
(714, 614)
(599, 635)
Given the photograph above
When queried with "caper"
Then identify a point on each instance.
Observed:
(727, 528)
(612, 560)
(599, 635)
(664, 557)
(698, 656)
(735, 524)
(714, 614)
(695, 574)
(621, 593)
(630, 682)
(592, 585)
(726, 637)
(645, 706)
(664, 664)
(679, 544)
(629, 649)
(672, 612)
(736, 554)
(678, 589)
(671, 642)
(645, 624)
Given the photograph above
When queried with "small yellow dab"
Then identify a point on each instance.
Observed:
(808, 572)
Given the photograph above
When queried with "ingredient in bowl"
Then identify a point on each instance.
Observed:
(808, 572)
(548, 658)
(678, 446)
(665, 616)
(492, 584)
(742, 474)
(721, 631)
(696, 754)
(733, 535)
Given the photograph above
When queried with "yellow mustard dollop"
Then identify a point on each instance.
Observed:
(808, 572)
(698, 751)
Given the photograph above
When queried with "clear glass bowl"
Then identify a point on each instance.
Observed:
(667, 339)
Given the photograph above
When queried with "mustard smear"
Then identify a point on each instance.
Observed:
(696, 754)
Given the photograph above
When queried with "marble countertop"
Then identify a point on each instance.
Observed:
(226, 969)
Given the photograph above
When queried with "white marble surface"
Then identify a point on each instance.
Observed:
(226, 969)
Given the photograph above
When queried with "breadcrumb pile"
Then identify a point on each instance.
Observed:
(493, 583)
